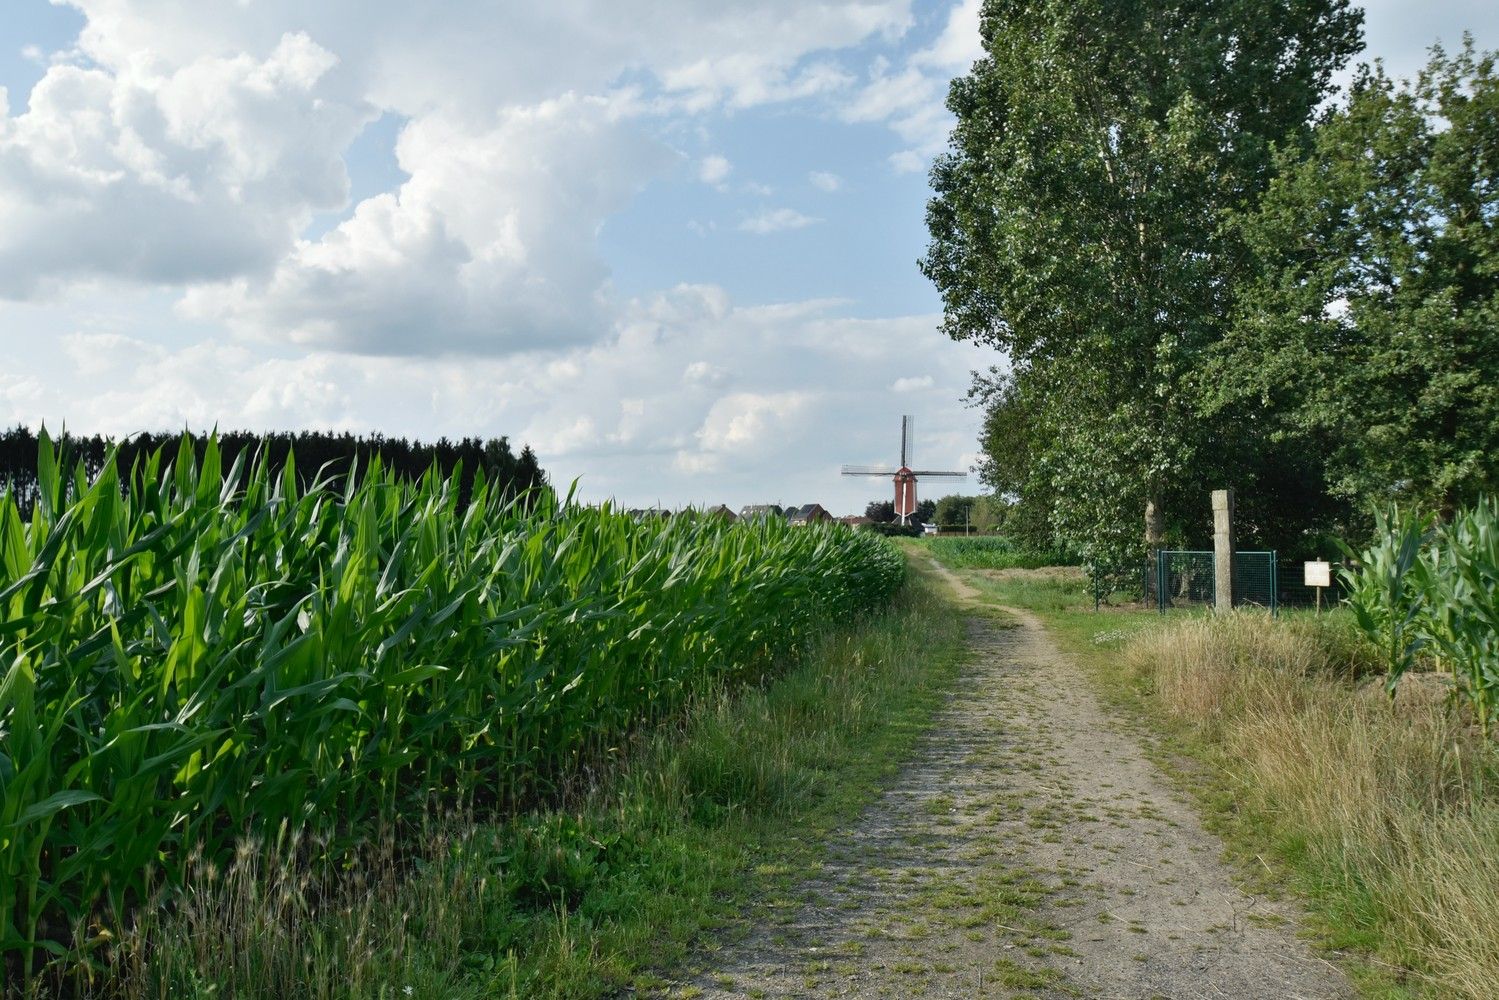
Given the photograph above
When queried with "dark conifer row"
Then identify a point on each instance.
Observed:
(317, 453)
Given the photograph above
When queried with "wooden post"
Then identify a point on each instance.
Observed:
(1223, 550)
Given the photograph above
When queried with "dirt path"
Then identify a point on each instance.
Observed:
(1031, 849)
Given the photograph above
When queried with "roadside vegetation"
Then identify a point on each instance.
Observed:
(1383, 813)
(1427, 592)
(684, 840)
(286, 695)
(992, 552)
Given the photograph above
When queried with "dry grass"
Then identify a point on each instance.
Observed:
(1391, 808)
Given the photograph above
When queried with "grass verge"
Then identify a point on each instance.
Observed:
(1383, 817)
(677, 844)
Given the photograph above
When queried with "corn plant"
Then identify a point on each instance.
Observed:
(1386, 588)
(186, 665)
(1419, 588)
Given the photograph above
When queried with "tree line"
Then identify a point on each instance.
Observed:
(317, 453)
(1206, 273)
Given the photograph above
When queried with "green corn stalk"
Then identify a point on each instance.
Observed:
(1463, 592)
(185, 665)
(1385, 585)
(1423, 588)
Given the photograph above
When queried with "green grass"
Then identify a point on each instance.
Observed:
(988, 552)
(685, 840)
(1262, 724)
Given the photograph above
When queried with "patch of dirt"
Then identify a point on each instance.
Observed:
(1031, 849)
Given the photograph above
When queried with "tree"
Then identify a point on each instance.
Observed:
(880, 511)
(954, 511)
(925, 512)
(989, 513)
(1371, 335)
(1078, 222)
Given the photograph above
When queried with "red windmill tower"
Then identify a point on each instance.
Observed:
(905, 477)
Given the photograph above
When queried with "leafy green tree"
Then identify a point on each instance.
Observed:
(880, 511)
(989, 513)
(1371, 335)
(954, 511)
(1078, 223)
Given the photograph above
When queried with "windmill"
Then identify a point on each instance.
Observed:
(905, 477)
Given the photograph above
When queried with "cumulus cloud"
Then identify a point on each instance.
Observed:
(172, 148)
(460, 54)
(912, 383)
(171, 174)
(776, 220)
(489, 247)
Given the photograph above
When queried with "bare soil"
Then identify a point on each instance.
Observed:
(1031, 849)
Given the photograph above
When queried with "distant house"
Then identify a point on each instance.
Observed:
(855, 520)
(808, 514)
(722, 510)
(758, 511)
(648, 513)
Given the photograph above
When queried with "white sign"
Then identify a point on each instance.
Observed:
(1318, 574)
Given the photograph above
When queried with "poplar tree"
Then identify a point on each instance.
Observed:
(1079, 223)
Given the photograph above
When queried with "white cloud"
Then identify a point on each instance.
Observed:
(689, 398)
(914, 383)
(171, 174)
(743, 426)
(463, 55)
(910, 99)
(714, 169)
(824, 180)
(489, 247)
(959, 45)
(776, 220)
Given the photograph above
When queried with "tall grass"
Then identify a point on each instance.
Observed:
(186, 665)
(1389, 812)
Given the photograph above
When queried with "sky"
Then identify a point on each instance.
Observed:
(671, 245)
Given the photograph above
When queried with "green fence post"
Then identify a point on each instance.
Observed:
(1274, 584)
(1160, 580)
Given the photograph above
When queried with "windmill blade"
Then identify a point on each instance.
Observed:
(939, 475)
(907, 440)
(867, 470)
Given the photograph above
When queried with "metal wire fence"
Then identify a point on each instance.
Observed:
(1181, 578)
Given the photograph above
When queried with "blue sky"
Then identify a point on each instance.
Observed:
(672, 245)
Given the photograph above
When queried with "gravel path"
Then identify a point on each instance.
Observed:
(1031, 849)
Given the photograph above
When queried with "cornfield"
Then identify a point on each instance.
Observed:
(1429, 591)
(186, 665)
